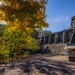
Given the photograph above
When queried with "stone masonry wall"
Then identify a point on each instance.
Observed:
(56, 48)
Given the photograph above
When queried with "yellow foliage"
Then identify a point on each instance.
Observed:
(23, 15)
(2, 15)
(31, 43)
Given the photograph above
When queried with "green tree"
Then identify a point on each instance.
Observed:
(34, 34)
(1, 29)
(14, 43)
(22, 17)
(46, 32)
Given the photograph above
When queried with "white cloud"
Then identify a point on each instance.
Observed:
(64, 19)
(56, 19)
(61, 19)
(67, 17)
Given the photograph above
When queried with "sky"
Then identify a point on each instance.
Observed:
(59, 13)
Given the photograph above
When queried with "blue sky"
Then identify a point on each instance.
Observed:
(59, 13)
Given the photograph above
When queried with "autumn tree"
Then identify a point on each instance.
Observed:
(23, 16)
(13, 44)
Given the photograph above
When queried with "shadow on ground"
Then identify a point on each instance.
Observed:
(38, 66)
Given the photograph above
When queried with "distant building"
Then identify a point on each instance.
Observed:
(73, 22)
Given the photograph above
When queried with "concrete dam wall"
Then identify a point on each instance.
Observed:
(56, 42)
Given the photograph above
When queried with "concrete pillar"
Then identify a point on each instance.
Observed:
(56, 38)
(40, 40)
(44, 40)
(49, 40)
(64, 37)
